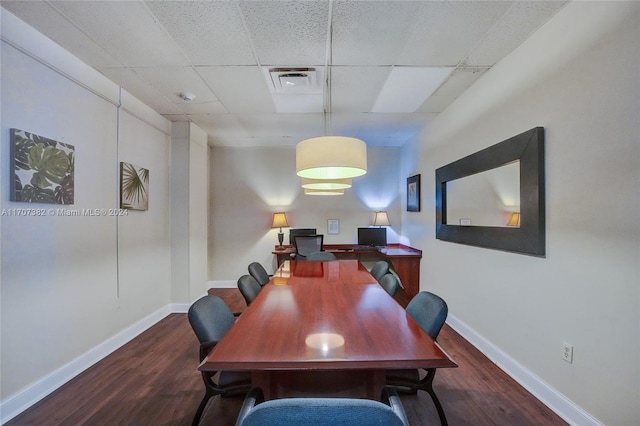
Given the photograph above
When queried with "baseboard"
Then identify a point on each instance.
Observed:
(556, 401)
(17, 403)
(222, 284)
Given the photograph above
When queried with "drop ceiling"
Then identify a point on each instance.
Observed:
(381, 70)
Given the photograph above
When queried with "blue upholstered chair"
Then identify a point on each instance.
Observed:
(210, 318)
(430, 312)
(322, 411)
(249, 288)
(390, 283)
(258, 272)
(321, 255)
(380, 269)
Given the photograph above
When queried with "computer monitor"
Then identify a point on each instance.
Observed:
(376, 237)
(301, 231)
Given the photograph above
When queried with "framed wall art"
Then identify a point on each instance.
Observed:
(41, 169)
(413, 193)
(134, 187)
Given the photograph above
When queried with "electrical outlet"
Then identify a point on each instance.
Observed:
(567, 352)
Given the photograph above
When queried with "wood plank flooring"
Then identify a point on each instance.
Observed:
(153, 380)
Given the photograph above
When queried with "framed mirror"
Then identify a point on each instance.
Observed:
(524, 152)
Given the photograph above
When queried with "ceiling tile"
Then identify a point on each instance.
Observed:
(521, 20)
(52, 24)
(444, 32)
(288, 33)
(355, 89)
(370, 33)
(407, 88)
(459, 81)
(141, 89)
(240, 89)
(170, 82)
(210, 33)
(126, 29)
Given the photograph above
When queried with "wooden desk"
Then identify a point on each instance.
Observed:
(405, 260)
(324, 328)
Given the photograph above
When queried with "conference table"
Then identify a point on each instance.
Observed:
(324, 328)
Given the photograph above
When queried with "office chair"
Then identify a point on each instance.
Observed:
(430, 312)
(249, 288)
(259, 273)
(322, 411)
(307, 244)
(380, 268)
(321, 255)
(210, 318)
(390, 283)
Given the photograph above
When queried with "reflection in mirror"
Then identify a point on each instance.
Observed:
(488, 198)
(524, 234)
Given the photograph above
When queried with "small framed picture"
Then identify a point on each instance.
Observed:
(413, 193)
(333, 226)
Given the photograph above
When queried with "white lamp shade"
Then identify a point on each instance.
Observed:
(326, 183)
(324, 191)
(381, 219)
(331, 157)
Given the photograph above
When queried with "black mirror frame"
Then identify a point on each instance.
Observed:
(529, 238)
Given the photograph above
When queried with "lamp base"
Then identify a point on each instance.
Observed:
(280, 240)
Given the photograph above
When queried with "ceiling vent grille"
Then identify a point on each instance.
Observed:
(294, 80)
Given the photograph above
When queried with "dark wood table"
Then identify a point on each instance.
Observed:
(324, 328)
(405, 260)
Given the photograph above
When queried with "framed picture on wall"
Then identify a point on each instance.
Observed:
(333, 226)
(41, 169)
(413, 193)
(134, 187)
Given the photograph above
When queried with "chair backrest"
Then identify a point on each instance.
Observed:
(307, 244)
(249, 288)
(321, 412)
(259, 273)
(321, 255)
(210, 318)
(293, 232)
(380, 268)
(429, 311)
(390, 283)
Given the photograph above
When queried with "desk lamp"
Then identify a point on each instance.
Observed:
(381, 219)
(280, 221)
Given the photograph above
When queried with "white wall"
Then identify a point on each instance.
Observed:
(579, 78)
(189, 186)
(68, 284)
(248, 185)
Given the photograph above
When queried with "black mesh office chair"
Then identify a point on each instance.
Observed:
(430, 312)
(249, 288)
(321, 255)
(259, 273)
(307, 244)
(210, 318)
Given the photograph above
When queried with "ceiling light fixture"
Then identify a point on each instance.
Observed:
(323, 191)
(326, 183)
(330, 157)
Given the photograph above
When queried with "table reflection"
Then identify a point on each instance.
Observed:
(325, 346)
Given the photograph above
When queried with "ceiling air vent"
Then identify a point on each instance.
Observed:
(294, 80)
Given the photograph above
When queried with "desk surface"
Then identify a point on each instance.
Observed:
(329, 315)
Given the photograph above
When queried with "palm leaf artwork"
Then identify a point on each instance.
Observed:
(42, 169)
(134, 187)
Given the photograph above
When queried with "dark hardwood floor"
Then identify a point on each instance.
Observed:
(153, 380)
